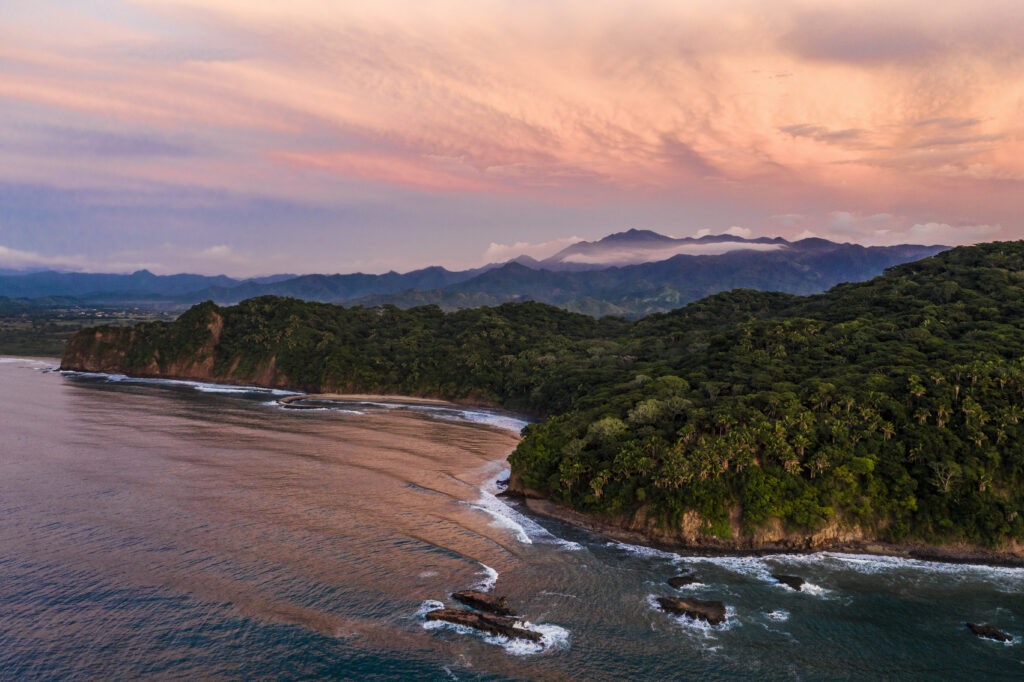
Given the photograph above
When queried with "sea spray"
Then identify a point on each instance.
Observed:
(552, 636)
(202, 386)
(490, 578)
(523, 527)
(696, 625)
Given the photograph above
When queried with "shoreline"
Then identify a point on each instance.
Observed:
(920, 552)
(300, 392)
(388, 398)
(546, 508)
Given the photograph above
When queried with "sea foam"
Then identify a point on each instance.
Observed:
(525, 529)
(552, 636)
(31, 362)
(202, 386)
(697, 625)
(490, 579)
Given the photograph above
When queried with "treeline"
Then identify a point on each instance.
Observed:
(895, 404)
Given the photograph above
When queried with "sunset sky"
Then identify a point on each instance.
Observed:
(258, 136)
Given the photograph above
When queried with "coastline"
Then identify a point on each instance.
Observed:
(960, 554)
(620, 531)
(389, 398)
(301, 392)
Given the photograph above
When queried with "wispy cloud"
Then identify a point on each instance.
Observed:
(498, 253)
(653, 255)
(665, 111)
(884, 229)
(18, 259)
(822, 134)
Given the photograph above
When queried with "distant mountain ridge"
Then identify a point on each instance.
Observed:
(633, 247)
(804, 267)
(87, 285)
(629, 273)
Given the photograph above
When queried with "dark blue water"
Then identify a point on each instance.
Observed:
(186, 531)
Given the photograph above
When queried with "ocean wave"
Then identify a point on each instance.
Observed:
(778, 615)
(202, 386)
(442, 412)
(496, 419)
(873, 563)
(692, 586)
(337, 410)
(646, 552)
(753, 567)
(428, 606)
(552, 636)
(28, 361)
(503, 516)
(490, 579)
(815, 590)
(448, 413)
(1003, 578)
(697, 625)
(762, 567)
(525, 529)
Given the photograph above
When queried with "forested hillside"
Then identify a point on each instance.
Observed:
(894, 406)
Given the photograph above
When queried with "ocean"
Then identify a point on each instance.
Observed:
(157, 529)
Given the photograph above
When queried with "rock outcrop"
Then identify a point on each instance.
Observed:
(484, 602)
(503, 626)
(989, 632)
(794, 582)
(711, 611)
(682, 580)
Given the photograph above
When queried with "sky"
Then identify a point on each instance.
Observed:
(251, 137)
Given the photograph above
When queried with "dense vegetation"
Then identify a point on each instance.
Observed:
(895, 404)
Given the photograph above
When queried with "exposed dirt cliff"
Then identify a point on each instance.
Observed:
(107, 349)
(689, 536)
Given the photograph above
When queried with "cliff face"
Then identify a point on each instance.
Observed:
(119, 350)
(97, 350)
(772, 538)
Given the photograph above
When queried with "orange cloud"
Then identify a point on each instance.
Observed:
(868, 104)
(396, 170)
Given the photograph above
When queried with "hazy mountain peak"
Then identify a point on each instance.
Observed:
(632, 235)
(635, 246)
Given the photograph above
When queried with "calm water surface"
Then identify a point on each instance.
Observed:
(170, 530)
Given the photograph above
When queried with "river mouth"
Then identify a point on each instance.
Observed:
(172, 530)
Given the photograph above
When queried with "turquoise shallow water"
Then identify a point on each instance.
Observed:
(176, 530)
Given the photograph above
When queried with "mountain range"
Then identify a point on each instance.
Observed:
(630, 273)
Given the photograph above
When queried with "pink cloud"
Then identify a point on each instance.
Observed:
(671, 102)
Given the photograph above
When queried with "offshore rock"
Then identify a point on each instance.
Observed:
(493, 625)
(989, 632)
(682, 580)
(484, 602)
(711, 611)
(793, 581)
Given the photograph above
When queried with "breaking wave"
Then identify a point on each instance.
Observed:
(202, 386)
(552, 636)
(523, 527)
